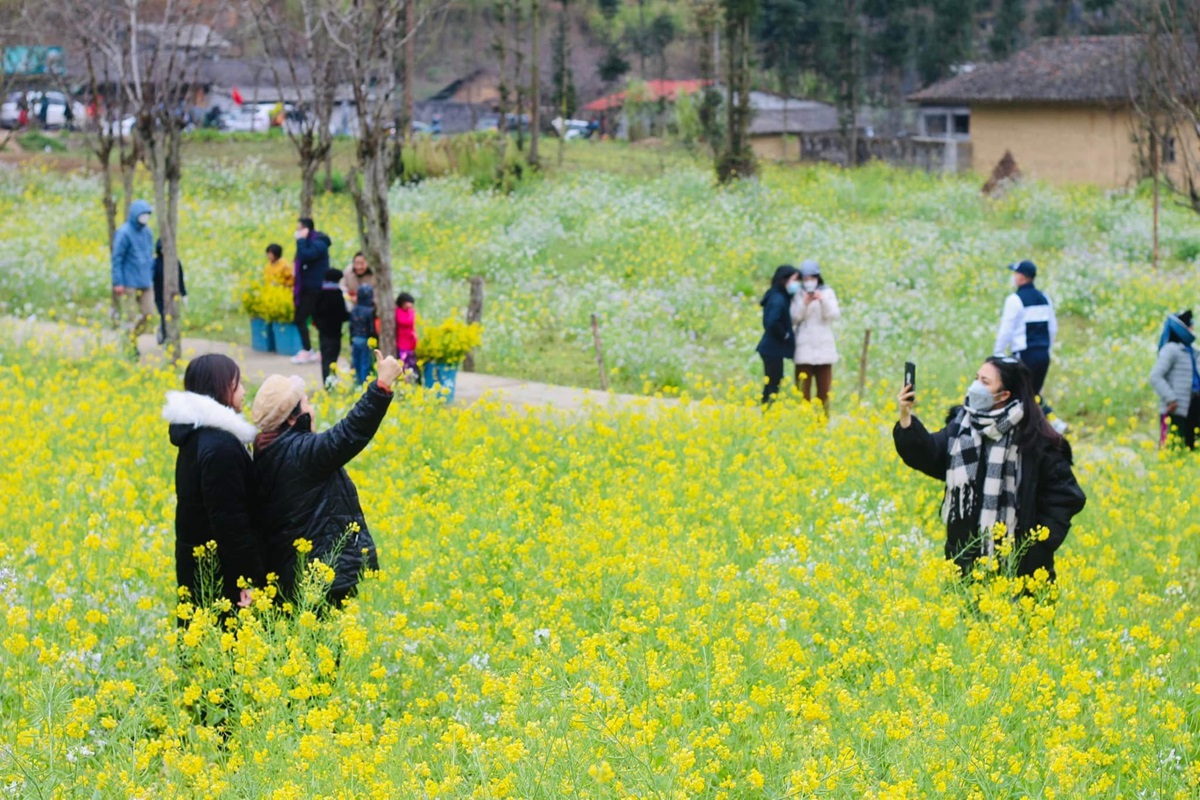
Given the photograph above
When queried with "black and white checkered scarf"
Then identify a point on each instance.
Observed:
(984, 436)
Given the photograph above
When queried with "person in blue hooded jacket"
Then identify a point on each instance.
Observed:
(133, 272)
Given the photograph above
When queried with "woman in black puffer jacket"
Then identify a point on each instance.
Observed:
(1002, 463)
(302, 490)
(213, 478)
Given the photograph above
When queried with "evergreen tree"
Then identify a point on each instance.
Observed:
(1006, 28)
(947, 37)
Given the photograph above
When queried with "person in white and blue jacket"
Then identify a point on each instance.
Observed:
(1028, 327)
(1176, 380)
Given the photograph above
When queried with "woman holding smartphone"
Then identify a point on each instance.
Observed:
(814, 310)
(1002, 464)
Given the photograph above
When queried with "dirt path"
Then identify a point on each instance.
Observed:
(471, 388)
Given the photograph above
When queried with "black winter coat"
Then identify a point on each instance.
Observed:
(1047, 494)
(302, 491)
(213, 486)
(158, 281)
(330, 314)
(778, 339)
(312, 255)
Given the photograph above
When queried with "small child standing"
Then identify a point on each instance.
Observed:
(406, 331)
(329, 316)
(362, 328)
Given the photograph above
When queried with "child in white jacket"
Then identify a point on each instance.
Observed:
(814, 310)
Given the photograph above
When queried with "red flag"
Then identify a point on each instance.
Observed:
(237, 96)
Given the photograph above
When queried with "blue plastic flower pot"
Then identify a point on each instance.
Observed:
(435, 373)
(287, 338)
(262, 337)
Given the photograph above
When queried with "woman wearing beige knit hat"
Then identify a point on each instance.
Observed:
(302, 490)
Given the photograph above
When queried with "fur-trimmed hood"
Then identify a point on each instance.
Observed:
(187, 411)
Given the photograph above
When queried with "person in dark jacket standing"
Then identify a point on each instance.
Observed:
(778, 343)
(1002, 464)
(159, 299)
(362, 328)
(312, 262)
(329, 316)
(302, 490)
(213, 479)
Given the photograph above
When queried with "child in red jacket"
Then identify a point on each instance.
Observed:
(406, 331)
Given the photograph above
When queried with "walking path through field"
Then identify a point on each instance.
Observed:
(472, 386)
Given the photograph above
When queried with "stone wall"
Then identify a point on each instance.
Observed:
(932, 155)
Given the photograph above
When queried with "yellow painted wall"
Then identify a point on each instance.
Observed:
(776, 148)
(1059, 144)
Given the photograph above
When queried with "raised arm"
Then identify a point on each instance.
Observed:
(336, 447)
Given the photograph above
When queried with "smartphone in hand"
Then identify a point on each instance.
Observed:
(910, 377)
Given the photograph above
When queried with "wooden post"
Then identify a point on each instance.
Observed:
(474, 314)
(1154, 168)
(862, 365)
(599, 354)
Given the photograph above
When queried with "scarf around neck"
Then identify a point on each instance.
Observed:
(988, 437)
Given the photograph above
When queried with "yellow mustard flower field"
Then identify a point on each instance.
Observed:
(689, 600)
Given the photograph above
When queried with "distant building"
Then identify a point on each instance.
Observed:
(656, 90)
(194, 39)
(780, 123)
(479, 88)
(1063, 107)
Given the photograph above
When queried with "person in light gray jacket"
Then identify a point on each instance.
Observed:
(1176, 379)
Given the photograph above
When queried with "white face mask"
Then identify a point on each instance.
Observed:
(810, 285)
(979, 397)
(143, 219)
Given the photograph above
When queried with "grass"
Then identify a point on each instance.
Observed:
(671, 265)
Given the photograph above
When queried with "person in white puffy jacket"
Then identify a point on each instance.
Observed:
(814, 310)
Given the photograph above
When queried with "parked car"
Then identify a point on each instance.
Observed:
(119, 127)
(491, 122)
(247, 118)
(56, 113)
(574, 128)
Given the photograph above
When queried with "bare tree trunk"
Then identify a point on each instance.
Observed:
(474, 314)
(501, 47)
(410, 68)
(518, 61)
(535, 82)
(163, 155)
(309, 164)
(108, 199)
(642, 39)
(130, 155)
(375, 163)
(564, 57)
(1154, 168)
